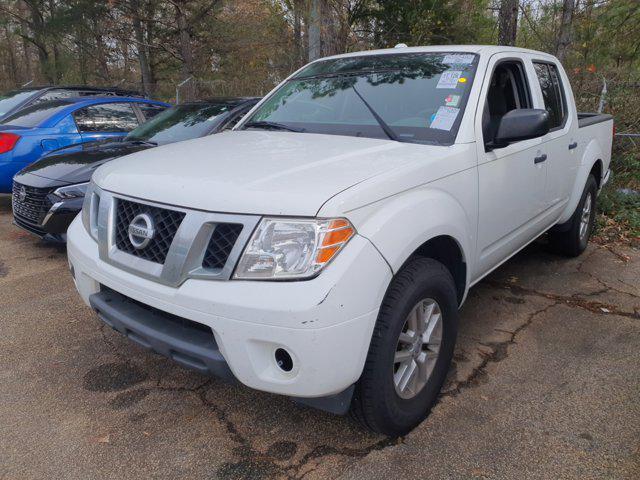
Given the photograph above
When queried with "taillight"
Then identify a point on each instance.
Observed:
(8, 141)
(614, 129)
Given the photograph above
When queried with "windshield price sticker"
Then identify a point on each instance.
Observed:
(444, 118)
(449, 79)
(458, 59)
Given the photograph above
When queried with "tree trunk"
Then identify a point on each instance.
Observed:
(143, 57)
(315, 26)
(297, 32)
(26, 48)
(38, 39)
(185, 41)
(508, 22)
(12, 67)
(566, 28)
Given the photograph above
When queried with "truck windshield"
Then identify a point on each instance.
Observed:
(179, 123)
(410, 97)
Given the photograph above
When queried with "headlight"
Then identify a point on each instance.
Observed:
(292, 248)
(78, 190)
(90, 211)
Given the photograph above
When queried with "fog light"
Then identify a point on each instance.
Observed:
(284, 360)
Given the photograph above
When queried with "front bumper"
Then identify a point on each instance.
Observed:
(325, 324)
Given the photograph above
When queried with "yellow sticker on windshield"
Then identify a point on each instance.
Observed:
(462, 80)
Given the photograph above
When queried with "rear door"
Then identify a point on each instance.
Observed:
(101, 121)
(511, 181)
(560, 144)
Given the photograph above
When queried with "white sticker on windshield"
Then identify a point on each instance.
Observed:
(449, 79)
(458, 59)
(444, 118)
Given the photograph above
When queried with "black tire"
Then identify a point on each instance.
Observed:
(566, 238)
(375, 404)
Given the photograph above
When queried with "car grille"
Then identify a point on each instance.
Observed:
(34, 206)
(222, 241)
(166, 223)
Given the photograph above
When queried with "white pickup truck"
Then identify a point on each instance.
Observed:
(321, 250)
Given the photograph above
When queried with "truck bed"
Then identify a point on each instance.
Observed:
(586, 118)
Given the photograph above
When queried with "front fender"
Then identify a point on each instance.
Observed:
(397, 226)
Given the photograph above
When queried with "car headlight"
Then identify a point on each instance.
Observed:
(78, 190)
(89, 212)
(292, 248)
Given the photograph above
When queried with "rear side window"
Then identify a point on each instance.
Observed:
(150, 110)
(552, 93)
(110, 117)
(34, 115)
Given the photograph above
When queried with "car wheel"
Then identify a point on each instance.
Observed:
(410, 351)
(572, 240)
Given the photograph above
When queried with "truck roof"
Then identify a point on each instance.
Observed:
(481, 49)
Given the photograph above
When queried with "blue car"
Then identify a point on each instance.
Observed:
(34, 131)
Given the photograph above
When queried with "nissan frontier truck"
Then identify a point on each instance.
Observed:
(322, 249)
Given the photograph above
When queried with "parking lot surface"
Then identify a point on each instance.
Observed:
(545, 384)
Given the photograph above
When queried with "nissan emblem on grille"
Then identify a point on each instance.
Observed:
(22, 194)
(141, 230)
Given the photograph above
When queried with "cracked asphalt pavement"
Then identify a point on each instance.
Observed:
(545, 384)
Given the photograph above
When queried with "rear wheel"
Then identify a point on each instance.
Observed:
(410, 351)
(572, 240)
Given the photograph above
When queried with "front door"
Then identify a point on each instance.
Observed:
(511, 180)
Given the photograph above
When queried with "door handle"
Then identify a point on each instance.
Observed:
(540, 159)
(573, 145)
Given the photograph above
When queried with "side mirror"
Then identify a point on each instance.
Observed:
(521, 124)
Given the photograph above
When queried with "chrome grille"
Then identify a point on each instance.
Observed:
(188, 243)
(222, 241)
(166, 224)
(34, 206)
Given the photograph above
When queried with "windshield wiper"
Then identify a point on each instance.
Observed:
(278, 126)
(387, 129)
(142, 142)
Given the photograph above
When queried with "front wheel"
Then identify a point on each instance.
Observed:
(410, 351)
(573, 238)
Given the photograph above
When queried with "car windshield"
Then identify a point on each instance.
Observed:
(10, 100)
(182, 122)
(34, 115)
(411, 97)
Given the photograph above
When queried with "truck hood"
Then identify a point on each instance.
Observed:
(253, 172)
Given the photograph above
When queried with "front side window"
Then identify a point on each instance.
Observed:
(182, 122)
(110, 117)
(552, 93)
(411, 97)
(508, 90)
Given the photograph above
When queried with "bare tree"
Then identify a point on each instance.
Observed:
(507, 22)
(566, 29)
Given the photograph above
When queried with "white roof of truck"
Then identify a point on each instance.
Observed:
(481, 49)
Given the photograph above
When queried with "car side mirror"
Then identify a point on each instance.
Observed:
(521, 124)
